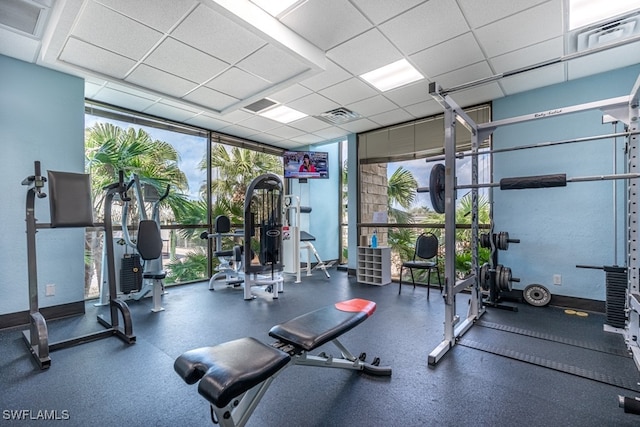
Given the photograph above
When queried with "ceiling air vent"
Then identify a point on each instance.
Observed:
(23, 16)
(604, 33)
(339, 116)
(259, 105)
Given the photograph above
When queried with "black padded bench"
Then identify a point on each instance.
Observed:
(234, 376)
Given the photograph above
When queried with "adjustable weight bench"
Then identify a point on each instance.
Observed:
(234, 376)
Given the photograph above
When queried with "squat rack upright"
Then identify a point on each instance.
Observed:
(625, 109)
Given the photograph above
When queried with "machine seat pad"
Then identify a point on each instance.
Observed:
(226, 253)
(318, 327)
(306, 237)
(227, 370)
(154, 275)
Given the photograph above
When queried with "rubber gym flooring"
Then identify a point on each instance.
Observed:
(537, 366)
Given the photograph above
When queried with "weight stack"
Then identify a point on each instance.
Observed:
(616, 283)
(130, 274)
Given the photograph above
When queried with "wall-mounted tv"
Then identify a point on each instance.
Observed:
(306, 164)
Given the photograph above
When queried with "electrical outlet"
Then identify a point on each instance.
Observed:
(50, 290)
(557, 279)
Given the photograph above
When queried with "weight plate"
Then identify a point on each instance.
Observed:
(485, 277)
(503, 241)
(538, 296)
(436, 187)
(485, 241)
(503, 278)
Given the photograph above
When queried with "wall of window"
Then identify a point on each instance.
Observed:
(207, 174)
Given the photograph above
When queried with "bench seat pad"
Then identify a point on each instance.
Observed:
(318, 327)
(227, 370)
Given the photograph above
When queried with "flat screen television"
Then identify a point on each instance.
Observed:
(306, 164)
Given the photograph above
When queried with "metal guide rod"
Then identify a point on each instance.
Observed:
(462, 155)
(574, 179)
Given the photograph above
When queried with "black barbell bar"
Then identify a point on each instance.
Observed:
(437, 176)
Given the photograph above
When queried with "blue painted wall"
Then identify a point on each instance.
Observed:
(582, 223)
(41, 118)
(323, 196)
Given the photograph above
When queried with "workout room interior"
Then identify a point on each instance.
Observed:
(212, 211)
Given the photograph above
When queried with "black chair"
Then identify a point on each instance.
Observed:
(425, 257)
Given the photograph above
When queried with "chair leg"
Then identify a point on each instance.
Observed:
(412, 279)
(428, 282)
(400, 283)
(439, 281)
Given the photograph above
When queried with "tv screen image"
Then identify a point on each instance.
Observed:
(306, 164)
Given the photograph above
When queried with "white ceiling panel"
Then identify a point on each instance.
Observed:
(424, 26)
(202, 61)
(159, 14)
(153, 79)
(365, 52)
(349, 91)
(96, 59)
(326, 23)
(524, 29)
(238, 83)
(217, 35)
(480, 13)
(195, 65)
(379, 11)
(97, 24)
(448, 56)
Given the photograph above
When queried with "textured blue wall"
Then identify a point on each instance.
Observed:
(560, 228)
(41, 118)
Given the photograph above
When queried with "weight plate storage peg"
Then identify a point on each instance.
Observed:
(537, 295)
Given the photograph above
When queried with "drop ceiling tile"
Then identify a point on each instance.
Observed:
(448, 56)
(173, 111)
(326, 23)
(109, 30)
(239, 131)
(217, 35)
(349, 91)
(259, 123)
(360, 125)
(177, 58)
(600, 62)
(331, 75)
(524, 29)
(285, 132)
(473, 72)
(391, 117)
(477, 95)
(290, 93)
(265, 138)
(309, 124)
(424, 26)
(534, 54)
(313, 104)
(480, 13)
(380, 10)
(272, 64)
(238, 83)
(409, 94)
(332, 133)
(210, 98)
(237, 116)
(122, 99)
(308, 139)
(424, 109)
(158, 80)
(91, 89)
(96, 59)
(533, 79)
(366, 52)
(159, 14)
(374, 105)
(207, 122)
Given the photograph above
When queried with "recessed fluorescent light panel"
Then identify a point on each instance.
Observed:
(275, 7)
(282, 114)
(393, 75)
(585, 12)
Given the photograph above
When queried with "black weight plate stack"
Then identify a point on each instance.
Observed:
(616, 281)
(436, 187)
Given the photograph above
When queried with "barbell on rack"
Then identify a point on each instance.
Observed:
(436, 187)
(503, 277)
(501, 240)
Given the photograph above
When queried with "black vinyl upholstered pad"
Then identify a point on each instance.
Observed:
(318, 327)
(227, 370)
